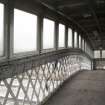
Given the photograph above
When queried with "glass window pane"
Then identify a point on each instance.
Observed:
(48, 34)
(75, 39)
(79, 41)
(69, 37)
(25, 30)
(103, 54)
(97, 54)
(82, 44)
(61, 39)
(1, 29)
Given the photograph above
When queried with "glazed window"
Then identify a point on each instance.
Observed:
(48, 34)
(79, 41)
(61, 40)
(69, 37)
(75, 39)
(83, 44)
(25, 31)
(97, 54)
(103, 54)
(1, 29)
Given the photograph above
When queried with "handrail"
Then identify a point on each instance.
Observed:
(8, 68)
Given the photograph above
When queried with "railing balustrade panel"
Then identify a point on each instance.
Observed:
(35, 85)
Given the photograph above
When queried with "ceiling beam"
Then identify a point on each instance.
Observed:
(68, 5)
(93, 25)
(89, 20)
(76, 11)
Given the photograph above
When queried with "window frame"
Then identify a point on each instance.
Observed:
(5, 34)
(103, 52)
(64, 36)
(79, 41)
(49, 49)
(97, 51)
(75, 41)
(83, 44)
(27, 53)
(71, 38)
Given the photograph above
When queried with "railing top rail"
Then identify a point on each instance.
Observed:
(16, 66)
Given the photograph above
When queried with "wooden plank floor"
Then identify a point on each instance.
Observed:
(86, 88)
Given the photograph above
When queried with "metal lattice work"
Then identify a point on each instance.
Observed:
(35, 85)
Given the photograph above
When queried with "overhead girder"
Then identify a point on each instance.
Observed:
(70, 3)
(89, 20)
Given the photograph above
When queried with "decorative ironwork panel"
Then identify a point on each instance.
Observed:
(34, 86)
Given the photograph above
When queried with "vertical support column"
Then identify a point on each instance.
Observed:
(39, 33)
(66, 37)
(6, 30)
(73, 38)
(101, 58)
(84, 45)
(78, 40)
(81, 43)
(101, 53)
(91, 64)
(56, 35)
(94, 64)
(56, 39)
(9, 27)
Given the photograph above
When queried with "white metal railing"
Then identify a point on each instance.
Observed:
(35, 85)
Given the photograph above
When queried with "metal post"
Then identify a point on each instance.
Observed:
(56, 35)
(81, 43)
(66, 37)
(78, 40)
(39, 33)
(9, 27)
(73, 38)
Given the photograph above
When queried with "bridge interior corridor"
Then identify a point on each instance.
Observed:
(52, 52)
